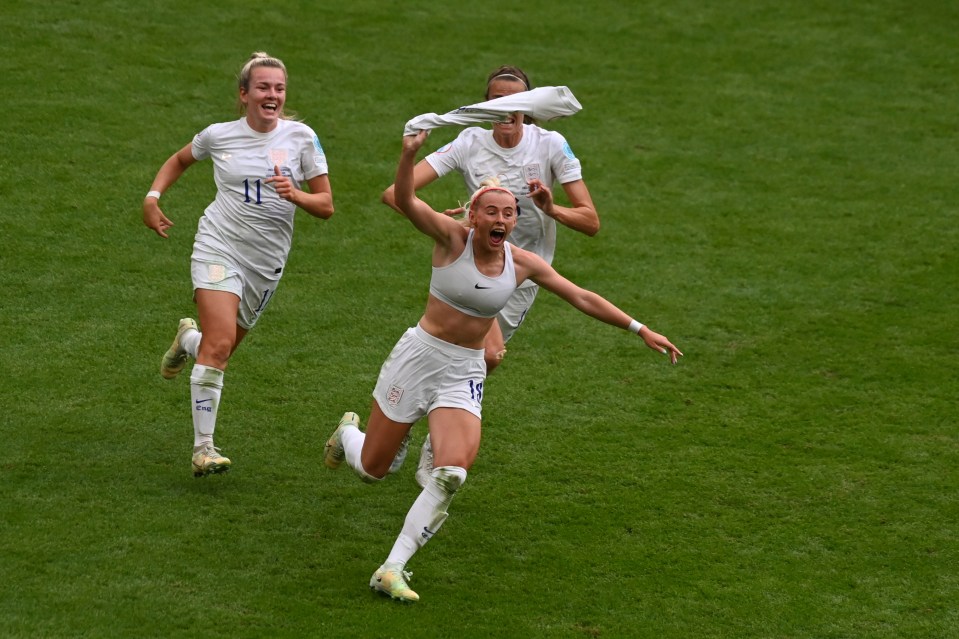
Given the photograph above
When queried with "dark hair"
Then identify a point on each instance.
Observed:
(507, 72)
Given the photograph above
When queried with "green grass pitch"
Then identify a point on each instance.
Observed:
(777, 185)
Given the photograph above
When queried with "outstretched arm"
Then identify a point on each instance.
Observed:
(590, 303)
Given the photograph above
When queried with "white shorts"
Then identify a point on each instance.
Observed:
(424, 372)
(212, 270)
(515, 310)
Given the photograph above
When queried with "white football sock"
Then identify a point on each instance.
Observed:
(427, 513)
(206, 384)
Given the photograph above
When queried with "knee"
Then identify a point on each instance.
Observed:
(449, 479)
(215, 348)
(373, 469)
(366, 477)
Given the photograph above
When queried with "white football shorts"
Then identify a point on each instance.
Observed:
(212, 270)
(514, 312)
(424, 372)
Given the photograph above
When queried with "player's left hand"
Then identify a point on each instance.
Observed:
(282, 184)
(541, 195)
(660, 343)
(454, 212)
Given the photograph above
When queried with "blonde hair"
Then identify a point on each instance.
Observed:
(487, 185)
(257, 59)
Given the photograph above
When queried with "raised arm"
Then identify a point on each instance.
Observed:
(421, 214)
(535, 268)
(423, 174)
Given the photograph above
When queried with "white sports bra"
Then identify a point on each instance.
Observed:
(463, 287)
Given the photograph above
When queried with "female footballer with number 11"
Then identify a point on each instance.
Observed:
(244, 235)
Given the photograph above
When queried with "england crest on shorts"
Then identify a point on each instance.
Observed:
(394, 395)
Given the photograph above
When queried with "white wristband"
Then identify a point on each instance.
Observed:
(155, 194)
(634, 327)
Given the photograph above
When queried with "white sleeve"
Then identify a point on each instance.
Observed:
(543, 103)
(449, 157)
(201, 144)
(564, 163)
(429, 121)
(313, 158)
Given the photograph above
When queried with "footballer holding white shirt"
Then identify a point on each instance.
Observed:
(516, 153)
(244, 236)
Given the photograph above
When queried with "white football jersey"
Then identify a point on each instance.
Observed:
(248, 220)
(540, 154)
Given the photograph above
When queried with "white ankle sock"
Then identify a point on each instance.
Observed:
(427, 513)
(353, 438)
(206, 384)
(190, 342)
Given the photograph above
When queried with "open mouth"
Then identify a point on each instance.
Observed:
(270, 106)
(497, 236)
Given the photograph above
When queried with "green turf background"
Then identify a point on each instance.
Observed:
(778, 194)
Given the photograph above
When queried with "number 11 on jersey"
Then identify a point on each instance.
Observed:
(246, 191)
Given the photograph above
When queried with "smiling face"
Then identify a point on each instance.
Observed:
(493, 215)
(264, 97)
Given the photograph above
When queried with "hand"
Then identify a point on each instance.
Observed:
(412, 143)
(541, 195)
(154, 218)
(455, 212)
(660, 343)
(282, 184)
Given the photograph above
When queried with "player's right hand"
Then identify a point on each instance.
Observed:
(414, 142)
(154, 218)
